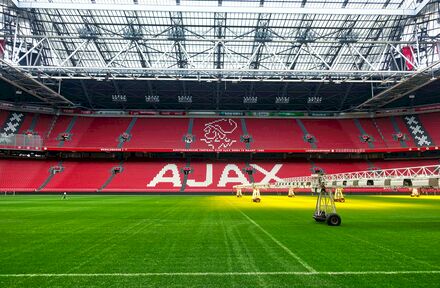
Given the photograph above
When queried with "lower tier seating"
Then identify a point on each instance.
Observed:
(23, 175)
(167, 175)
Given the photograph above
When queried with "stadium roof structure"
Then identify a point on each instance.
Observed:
(256, 53)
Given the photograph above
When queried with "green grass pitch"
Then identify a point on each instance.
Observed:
(217, 241)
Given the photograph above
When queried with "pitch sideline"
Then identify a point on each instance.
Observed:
(257, 273)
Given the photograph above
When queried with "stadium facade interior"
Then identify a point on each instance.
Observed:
(201, 143)
(199, 96)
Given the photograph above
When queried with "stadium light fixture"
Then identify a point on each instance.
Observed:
(184, 99)
(314, 100)
(119, 98)
(152, 98)
(250, 100)
(282, 100)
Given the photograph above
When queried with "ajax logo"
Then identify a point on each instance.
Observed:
(217, 133)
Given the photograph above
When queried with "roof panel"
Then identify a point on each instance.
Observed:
(165, 36)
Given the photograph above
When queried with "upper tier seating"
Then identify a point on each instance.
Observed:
(53, 140)
(158, 133)
(217, 133)
(3, 115)
(236, 134)
(347, 133)
(98, 132)
(38, 124)
(286, 131)
(431, 123)
(388, 127)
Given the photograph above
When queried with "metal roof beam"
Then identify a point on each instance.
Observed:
(221, 9)
(28, 84)
(228, 78)
(261, 36)
(421, 6)
(39, 29)
(136, 30)
(220, 33)
(409, 85)
(177, 34)
(346, 28)
(320, 75)
(378, 24)
(295, 39)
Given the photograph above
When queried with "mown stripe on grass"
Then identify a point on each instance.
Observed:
(297, 258)
(256, 273)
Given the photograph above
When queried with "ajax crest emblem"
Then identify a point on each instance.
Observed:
(217, 133)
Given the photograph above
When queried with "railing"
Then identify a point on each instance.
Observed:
(396, 173)
(21, 141)
(419, 173)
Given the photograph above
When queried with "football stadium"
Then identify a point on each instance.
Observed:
(219, 143)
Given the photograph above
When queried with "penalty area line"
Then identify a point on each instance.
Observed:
(258, 273)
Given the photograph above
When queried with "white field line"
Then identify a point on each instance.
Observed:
(258, 273)
(297, 258)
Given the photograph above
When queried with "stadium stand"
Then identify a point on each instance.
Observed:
(264, 131)
(403, 128)
(23, 175)
(3, 116)
(223, 133)
(390, 128)
(331, 166)
(98, 132)
(27, 123)
(206, 134)
(418, 131)
(37, 124)
(371, 130)
(80, 177)
(166, 175)
(431, 122)
(202, 134)
(139, 177)
(333, 133)
(43, 124)
(59, 128)
(158, 133)
(388, 164)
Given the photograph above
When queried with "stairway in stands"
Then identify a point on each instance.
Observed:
(126, 136)
(68, 132)
(380, 132)
(52, 125)
(308, 138)
(53, 171)
(186, 171)
(113, 172)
